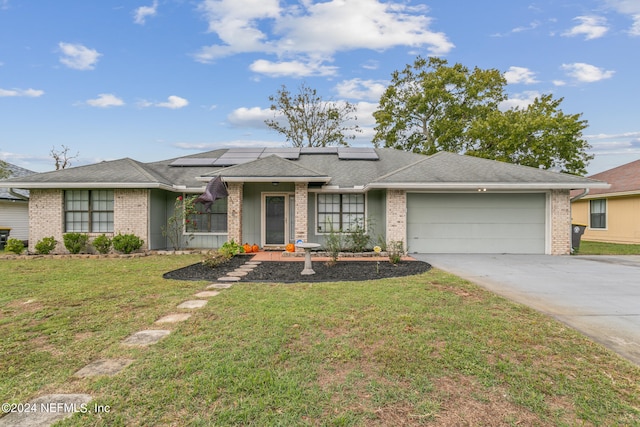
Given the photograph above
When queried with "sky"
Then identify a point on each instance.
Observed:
(158, 79)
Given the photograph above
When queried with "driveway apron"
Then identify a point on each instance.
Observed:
(597, 295)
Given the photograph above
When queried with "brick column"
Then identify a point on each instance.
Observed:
(46, 217)
(560, 222)
(234, 211)
(397, 216)
(301, 211)
(131, 213)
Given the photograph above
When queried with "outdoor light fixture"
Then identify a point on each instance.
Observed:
(275, 183)
(481, 190)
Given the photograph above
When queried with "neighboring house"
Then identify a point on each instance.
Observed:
(14, 206)
(440, 203)
(613, 214)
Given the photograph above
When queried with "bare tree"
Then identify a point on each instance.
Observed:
(62, 157)
(4, 170)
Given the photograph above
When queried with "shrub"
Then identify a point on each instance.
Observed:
(127, 243)
(215, 258)
(357, 240)
(333, 244)
(46, 245)
(395, 249)
(102, 244)
(14, 245)
(75, 242)
(231, 248)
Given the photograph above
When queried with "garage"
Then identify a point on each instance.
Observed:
(483, 222)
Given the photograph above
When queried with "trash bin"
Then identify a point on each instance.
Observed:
(4, 236)
(577, 230)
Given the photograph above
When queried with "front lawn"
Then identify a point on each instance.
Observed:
(430, 349)
(602, 248)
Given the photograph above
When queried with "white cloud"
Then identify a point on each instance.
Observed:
(246, 143)
(140, 14)
(592, 27)
(250, 117)
(361, 89)
(315, 31)
(635, 28)
(586, 73)
(631, 8)
(519, 100)
(292, 68)
(105, 100)
(29, 93)
(173, 102)
(78, 57)
(520, 75)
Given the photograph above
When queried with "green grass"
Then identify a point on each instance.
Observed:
(428, 349)
(601, 248)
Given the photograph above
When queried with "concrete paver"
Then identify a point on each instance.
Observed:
(207, 294)
(146, 338)
(106, 367)
(173, 318)
(45, 410)
(191, 304)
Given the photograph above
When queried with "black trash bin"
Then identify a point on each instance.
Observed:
(4, 236)
(577, 230)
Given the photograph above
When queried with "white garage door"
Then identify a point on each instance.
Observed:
(476, 223)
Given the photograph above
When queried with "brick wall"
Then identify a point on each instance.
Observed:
(301, 211)
(560, 222)
(234, 211)
(46, 217)
(131, 213)
(397, 216)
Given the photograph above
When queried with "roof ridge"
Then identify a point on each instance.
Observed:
(145, 170)
(262, 159)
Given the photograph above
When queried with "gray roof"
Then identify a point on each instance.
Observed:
(376, 168)
(15, 172)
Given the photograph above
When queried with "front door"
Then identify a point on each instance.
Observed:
(275, 218)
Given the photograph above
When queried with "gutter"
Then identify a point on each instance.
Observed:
(579, 196)
(17, 195)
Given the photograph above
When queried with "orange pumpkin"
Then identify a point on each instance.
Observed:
(290, 247)
(247, 248)
(255, 248)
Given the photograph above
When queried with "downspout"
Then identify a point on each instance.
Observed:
(17, 195)
(579, 196)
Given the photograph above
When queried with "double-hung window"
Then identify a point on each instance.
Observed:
(88, 211)
(199, 220)
(598, 213)
(340, 212)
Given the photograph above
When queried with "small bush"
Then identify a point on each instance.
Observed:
(395, 249)
(333, 244)
(231, 248)
(215, 258)
(46, 245)
(102, 244)
(14, 246)
(76, 242)
(357, 240)
(127, 243)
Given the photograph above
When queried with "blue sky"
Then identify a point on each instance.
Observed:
(156, 79)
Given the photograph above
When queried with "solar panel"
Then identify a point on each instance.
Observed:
(285, 153)
(231, 161)
(193, 161)
(357, 153)
(319, 150)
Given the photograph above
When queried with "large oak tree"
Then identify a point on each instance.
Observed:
(431, 106)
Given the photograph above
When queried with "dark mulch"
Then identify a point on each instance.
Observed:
(289, 272)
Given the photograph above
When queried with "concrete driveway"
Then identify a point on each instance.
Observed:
(597, 295)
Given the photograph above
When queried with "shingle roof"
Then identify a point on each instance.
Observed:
(623, 179)
(16, 172)
(392, 169)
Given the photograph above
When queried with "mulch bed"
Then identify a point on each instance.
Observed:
(289, 272)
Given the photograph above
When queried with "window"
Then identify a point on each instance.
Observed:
(88, 211)
(598, 213)
(340, 211)
(208, 222)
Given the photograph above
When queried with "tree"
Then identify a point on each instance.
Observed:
(309, 121)
(4, 170)
(431, 106)
(62, 157)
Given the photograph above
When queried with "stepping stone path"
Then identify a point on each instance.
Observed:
(195, 303)
(145, 338)
(47, 410)
(52, 408)
(173, 318)
(107, 367)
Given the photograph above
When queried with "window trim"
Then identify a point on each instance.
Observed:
(186, 232)
(90, 211)
(341, 194)
(605, 213)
